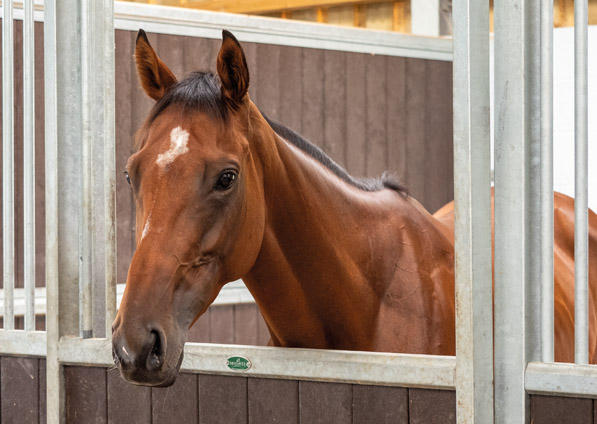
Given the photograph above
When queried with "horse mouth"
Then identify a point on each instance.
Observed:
(155, 378)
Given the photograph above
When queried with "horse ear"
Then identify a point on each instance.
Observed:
(233, 70)
(154, 75)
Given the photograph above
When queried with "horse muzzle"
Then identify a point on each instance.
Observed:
(143, 359)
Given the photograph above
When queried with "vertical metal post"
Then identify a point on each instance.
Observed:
(86, 216)
(62, 149)
(517, 203)
(581, 234)
(547, 293)
(29, 163)
(8, 164)
(472, 190)
(109, 166)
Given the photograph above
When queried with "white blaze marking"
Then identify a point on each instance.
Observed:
(146, 228)
(178, 146)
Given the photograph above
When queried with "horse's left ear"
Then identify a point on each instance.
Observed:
(233, 70)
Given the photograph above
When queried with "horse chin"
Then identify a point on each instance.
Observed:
(160, 378)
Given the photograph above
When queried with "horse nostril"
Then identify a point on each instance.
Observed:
(156, 355)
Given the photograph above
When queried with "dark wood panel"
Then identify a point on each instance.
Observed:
(18, 154)
(379, 405)
(335, 105)
(126, 78)
(266, 80)
(396, 116)
(127, 403)
(43, 417)
(263, 335)
(313, 113)
(561, 410)
(221, 321)
(431, 406)
(171, 50)
(19, 390)
(222, 399)
(273, 401)
(439, 178)
(40, 176)
(200, 332)
(200, 54)
(245, 324)
(291, 87)
(375, 111)
(325, 402)
(177, 403)
(85, 389)
(355, 115)
(416, 71)
(250, 50)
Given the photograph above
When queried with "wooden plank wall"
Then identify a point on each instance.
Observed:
(370, 113)
(99, 395)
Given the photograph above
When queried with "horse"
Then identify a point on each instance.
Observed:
(333, 262)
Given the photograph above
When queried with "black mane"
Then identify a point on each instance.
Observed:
(201, 91)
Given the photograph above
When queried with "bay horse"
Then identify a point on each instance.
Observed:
(333, 261)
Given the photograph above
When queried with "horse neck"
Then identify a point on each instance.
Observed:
(329, 250)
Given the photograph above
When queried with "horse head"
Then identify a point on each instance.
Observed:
(199, 208)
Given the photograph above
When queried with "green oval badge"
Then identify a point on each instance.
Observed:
(238, 363)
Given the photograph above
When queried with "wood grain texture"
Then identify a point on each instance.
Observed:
(561, 410)
(177, 403)
(126, 78)
(356, 66)
(43, 416)
(221, 322)
(396, 117)
(432, 406)
(222, 399)
(439, 156)
(375, 116)
(335, 105)
(85, 389)
(380, 405)
(267, 80)
(40, 168)
(200, 54)
(19, 390)
(245, 324)
(313, 102)
(416, 71)
(291, 87)
(325, 402)
(200, 332)
(127, 403)
(273, 401)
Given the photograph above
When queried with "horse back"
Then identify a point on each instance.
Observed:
(563, 272)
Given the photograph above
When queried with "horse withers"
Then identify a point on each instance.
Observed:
(332, 261)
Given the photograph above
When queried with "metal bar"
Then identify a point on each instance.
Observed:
(559, 379)
(62, 63)
(517, 203)
(547, 293)
(29, 163)
(472, 191)
(109, 166)
(427, 371)
(8, 163)
(197, 23)
(23, 343)
(54, 376)
(581, 193)
(86, 215)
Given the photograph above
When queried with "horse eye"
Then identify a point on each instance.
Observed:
(128, 179)
(226, 180)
